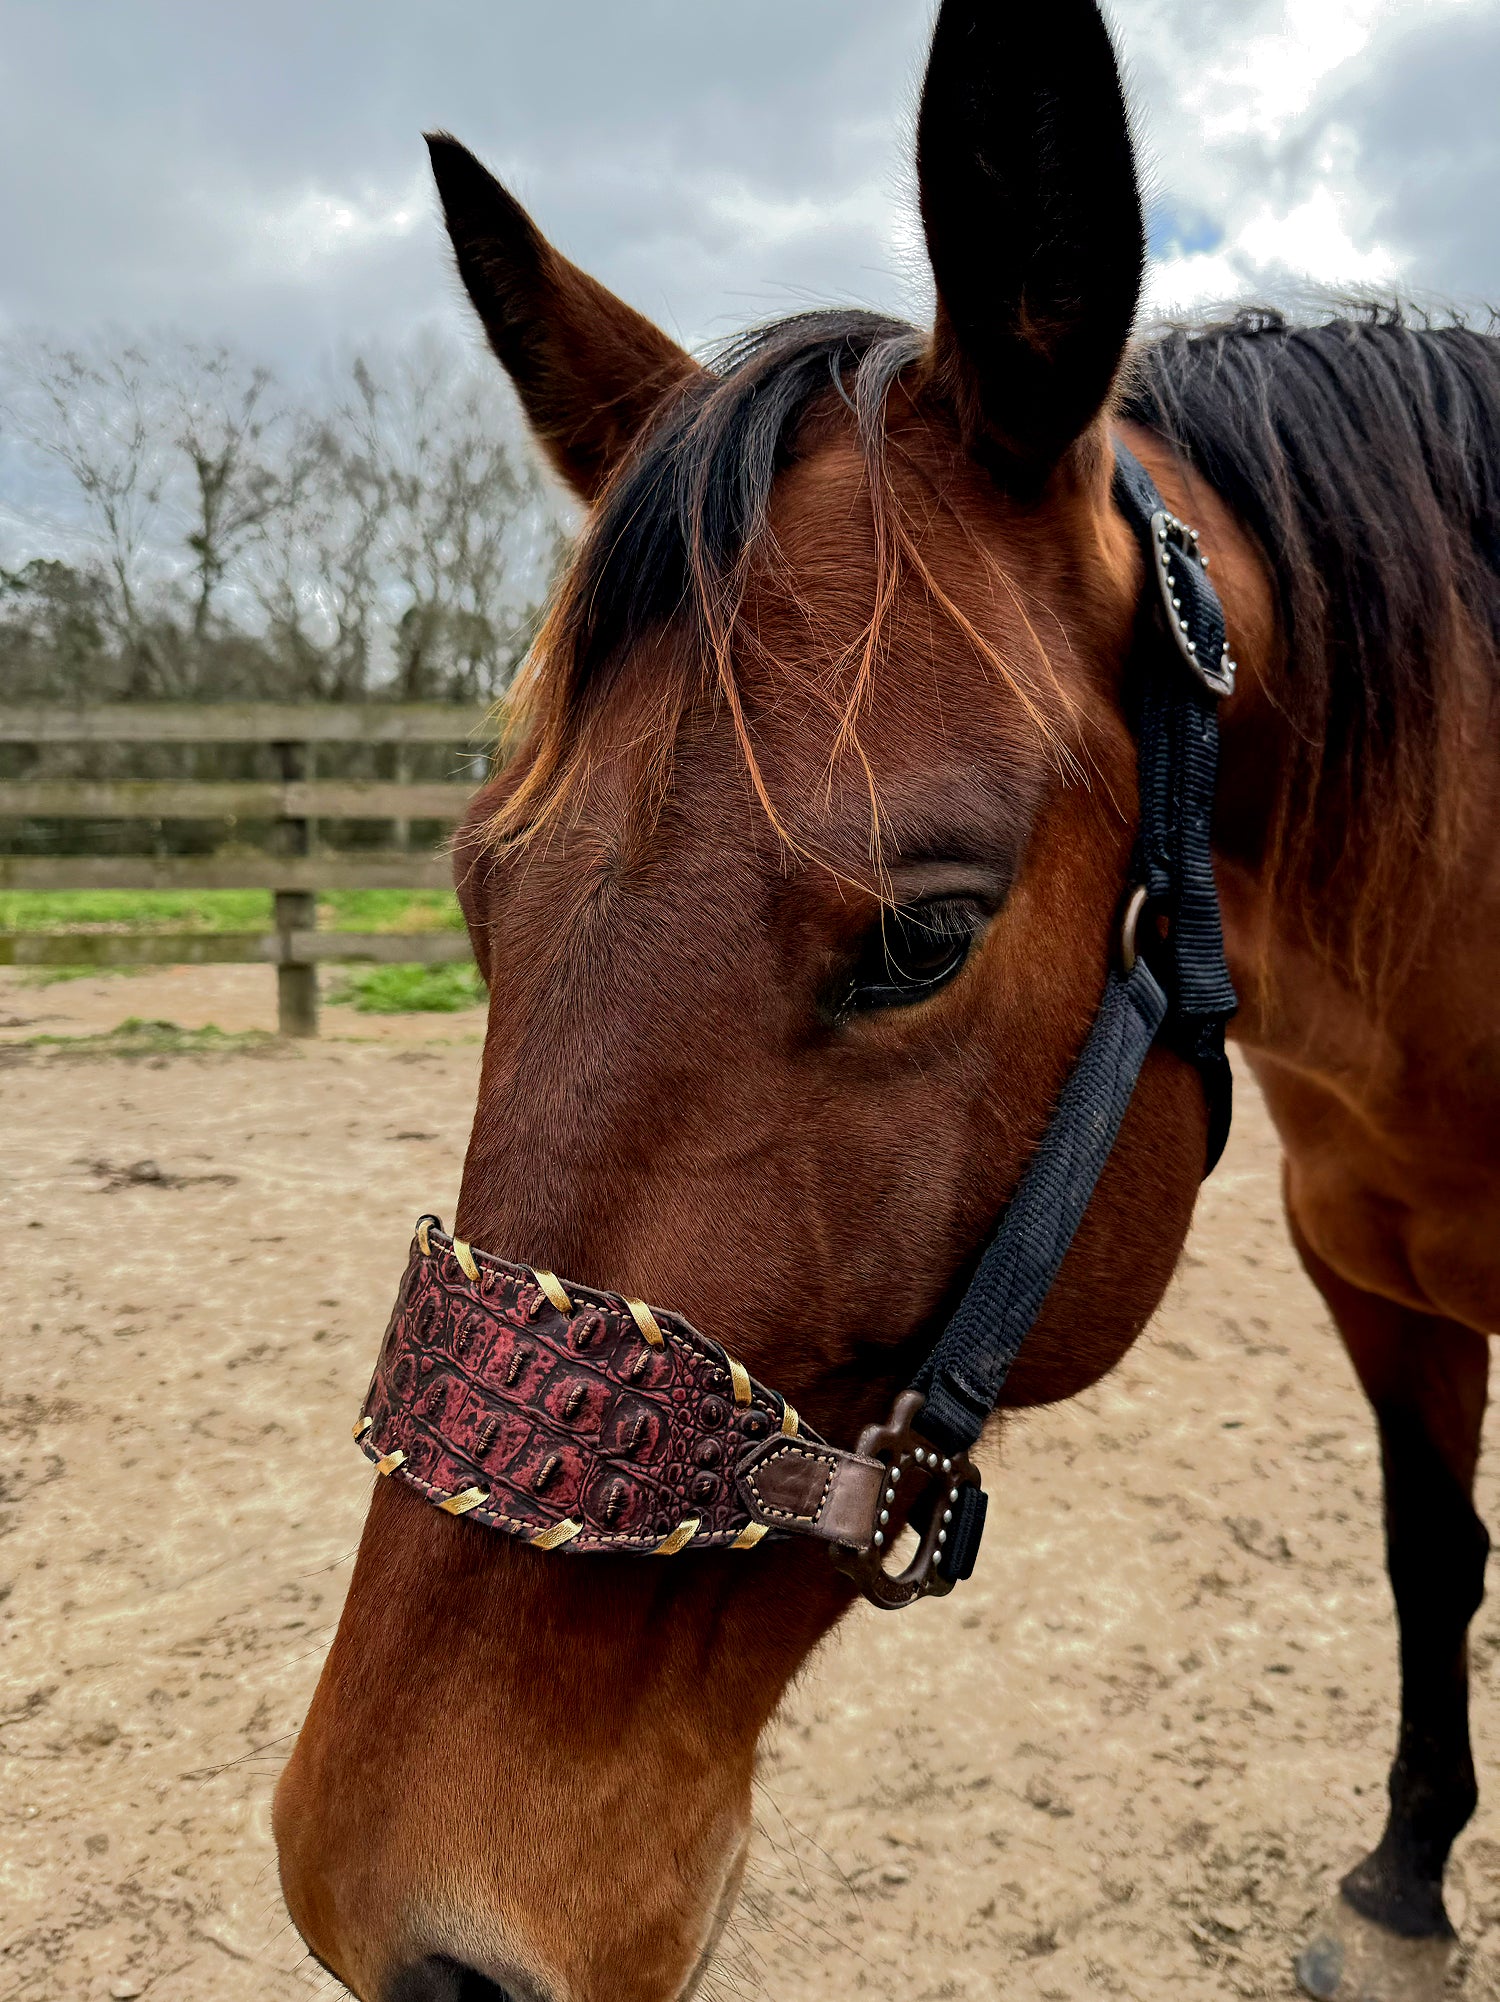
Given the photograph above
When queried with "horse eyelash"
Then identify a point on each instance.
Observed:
(950, 919)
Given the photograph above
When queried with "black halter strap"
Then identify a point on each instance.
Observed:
(1177, 737)
(1171, 985)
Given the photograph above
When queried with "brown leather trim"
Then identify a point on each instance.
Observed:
(813, 1489)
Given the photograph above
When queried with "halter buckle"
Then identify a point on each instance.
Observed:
(948, 1514)
(1174, 544)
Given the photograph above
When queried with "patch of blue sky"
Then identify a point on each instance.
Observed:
(1181, 232)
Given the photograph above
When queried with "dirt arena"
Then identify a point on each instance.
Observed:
(1129, 1759)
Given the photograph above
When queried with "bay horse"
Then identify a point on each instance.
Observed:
(795, 902)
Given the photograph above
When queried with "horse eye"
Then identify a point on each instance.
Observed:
(910, 954)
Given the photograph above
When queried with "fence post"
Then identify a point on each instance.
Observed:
(401, 772)
(295, 910)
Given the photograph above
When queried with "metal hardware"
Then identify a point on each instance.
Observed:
(1173, 543)
(1135, 904)
(939, 1480)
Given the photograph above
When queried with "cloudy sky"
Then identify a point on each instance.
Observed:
(258, 172)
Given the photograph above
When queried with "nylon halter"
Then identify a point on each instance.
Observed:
(580, 1420)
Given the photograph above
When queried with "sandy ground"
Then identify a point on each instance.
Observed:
(236, 999)
(1128, 1760)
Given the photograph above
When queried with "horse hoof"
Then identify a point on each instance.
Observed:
(1351, 1959)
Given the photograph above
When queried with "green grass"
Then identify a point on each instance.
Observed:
(409, 990)
(221, 910)
(137, 1037)
(390, 910)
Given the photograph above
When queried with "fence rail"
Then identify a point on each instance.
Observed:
(289, 866)
(246, 723)
(375, 869)
(231, 799)
(230, 948)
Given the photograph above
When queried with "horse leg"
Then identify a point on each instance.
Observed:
(1388, 1936)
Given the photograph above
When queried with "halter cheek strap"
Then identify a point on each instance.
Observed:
(1176, 990)
(1177, 738)
(582, 1420)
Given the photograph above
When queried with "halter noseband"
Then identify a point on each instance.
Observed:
(585, 1421)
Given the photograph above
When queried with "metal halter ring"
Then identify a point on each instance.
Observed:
(1135, 904)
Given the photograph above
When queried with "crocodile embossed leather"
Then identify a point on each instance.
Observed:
(577, 1419)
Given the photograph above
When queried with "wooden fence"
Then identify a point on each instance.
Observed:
(291, 866)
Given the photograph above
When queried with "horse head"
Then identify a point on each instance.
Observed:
(795, 902)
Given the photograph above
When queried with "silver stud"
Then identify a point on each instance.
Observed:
(921, 1457)
(895, 1475)
(1192, 646)
(942, 1536)
(885, 1516)
(1177, 604)
(879, 1538)
(947, 1516)
(947, 1466)
(1203, 560)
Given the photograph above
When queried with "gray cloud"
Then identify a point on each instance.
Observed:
(1423, 112)
(189, 164)
(260, 174)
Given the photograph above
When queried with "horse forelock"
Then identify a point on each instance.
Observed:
(1359, 452)
(669, 557)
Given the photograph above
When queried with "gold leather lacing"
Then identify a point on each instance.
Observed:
(552, 1286)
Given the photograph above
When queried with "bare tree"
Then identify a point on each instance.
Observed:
(95, 418)
(229, 434)
(388, 538)
(468, 538)
(316, 571)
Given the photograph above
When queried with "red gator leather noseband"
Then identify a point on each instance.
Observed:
(577, 1419)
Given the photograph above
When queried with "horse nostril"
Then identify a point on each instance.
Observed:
(438, 1980)
(474, 1987)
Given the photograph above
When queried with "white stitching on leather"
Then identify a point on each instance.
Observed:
(790, 1451)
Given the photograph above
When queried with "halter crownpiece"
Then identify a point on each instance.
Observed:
(587, 1421)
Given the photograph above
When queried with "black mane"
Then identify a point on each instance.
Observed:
(1364, 456)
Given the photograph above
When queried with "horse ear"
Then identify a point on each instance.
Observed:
(589, 369)
(1033, 222)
